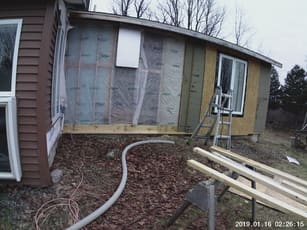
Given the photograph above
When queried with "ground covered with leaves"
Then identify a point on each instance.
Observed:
(158, 179)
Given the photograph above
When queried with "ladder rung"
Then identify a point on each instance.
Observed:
(226, 95)
(214, 105)
(225, 109)
(225, 123)
(223, 137)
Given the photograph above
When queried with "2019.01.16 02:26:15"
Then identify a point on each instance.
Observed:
(269, 224)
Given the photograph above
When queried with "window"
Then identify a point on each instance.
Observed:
(9, 152)
(232, 76)
(9, 43)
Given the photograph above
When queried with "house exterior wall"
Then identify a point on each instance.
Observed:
(192, 85)
(241, 125)
(207, 58)
(33, 84)
(263, 98)
(100, 93)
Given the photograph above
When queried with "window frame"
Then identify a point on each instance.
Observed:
(8, 100)
(9, 104)
(56, 113)
(12, 92)
(233, 73)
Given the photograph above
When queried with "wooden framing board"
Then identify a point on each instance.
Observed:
(273, 202)
(268, 191)
(244, 171)
(292, 185)
(122, 129)
(261, 167)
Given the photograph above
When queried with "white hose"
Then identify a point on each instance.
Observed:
(98, 212)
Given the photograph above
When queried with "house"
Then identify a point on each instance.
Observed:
(32, 37)
(126, 75)
(82, 72)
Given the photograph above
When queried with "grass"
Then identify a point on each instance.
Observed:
(5, 222)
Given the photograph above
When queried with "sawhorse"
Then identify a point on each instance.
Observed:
(203, 196)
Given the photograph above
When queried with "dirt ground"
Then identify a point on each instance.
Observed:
(158, 179)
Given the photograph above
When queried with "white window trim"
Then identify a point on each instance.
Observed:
(9, 104)
(56, 113)
(232, 79)
(15, 55)
(7, 100)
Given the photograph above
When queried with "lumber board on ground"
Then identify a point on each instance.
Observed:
(259, 166)
(244, 171)
(273, 202)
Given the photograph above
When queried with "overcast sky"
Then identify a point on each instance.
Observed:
(278, 27)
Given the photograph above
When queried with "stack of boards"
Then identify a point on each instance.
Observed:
(274, 188)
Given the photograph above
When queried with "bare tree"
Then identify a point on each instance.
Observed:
(241, 28)
(199, 14)
(190, 10)
(171, 12)
(149, 14)
(162, 14)
(141, 7)
(204, 16)
(213, 18)
(122, 7)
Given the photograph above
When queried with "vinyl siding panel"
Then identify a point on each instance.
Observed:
(36, 17)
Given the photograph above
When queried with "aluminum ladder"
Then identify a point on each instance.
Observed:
(217, 117)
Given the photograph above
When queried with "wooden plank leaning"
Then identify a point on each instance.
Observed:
(273, 202)
(259, 166)
(244, 171)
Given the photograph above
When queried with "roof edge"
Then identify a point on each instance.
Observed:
(167, 27)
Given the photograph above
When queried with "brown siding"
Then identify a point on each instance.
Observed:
(33, 84)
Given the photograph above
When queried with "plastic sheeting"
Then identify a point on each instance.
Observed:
(100, 93)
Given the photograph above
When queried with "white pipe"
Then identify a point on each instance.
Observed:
(98, 212)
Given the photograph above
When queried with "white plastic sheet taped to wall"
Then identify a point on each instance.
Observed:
(101, 93)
